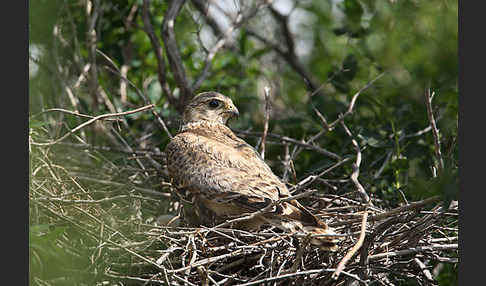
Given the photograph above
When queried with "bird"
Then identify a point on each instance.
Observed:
(225, 177)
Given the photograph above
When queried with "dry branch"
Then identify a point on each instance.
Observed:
(154, 41)
(291, 140)
(265, 125)
(435, 131)
(115, 70)
(226, 35)
(173, 54)
(88, 122)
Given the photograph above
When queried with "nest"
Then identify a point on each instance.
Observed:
(117, 231)
(397, 243)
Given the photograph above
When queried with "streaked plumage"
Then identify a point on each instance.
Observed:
(227, 178)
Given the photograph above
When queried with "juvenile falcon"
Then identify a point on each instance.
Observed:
(227, 178)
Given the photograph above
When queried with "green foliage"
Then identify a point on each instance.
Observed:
(53, 255)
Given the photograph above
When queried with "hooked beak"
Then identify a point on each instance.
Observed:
(233, 111)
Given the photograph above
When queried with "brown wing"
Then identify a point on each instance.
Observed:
(221, 172)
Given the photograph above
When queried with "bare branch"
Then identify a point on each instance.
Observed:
(239, 21)
(203, 7)
(355, 248)
(154, 41)
(92, 12)
(86, 123)
(72, 113)
(435, 131)
(310, 179)
(293, 141)
(413, 250)
(173, 54)
(424, 270)
(307, 272)
(393, 212)
(353, 101)
(289, 54)
(267, 117)
(292, 61)
(117, 72)
(355, 174)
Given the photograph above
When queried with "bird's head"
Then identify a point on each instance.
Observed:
(209, 106)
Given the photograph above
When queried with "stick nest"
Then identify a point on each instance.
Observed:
(115, 224)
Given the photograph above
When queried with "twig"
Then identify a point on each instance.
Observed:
(139, 189)
(154, 41)
(127, 146)
(393, 212)
(300, 252)
(322, 118)
(104, 200)
(173, 54)
(267, 117)
(355, 174)
(413, 250)
(385, 162)
(289, 275)
(92, 12)
(368, 242)
(212, 53)
(117, 72)
(207, 261)
(71, 112)
(310, 179)
(289, 54)
(325, 124)
(424, 270)
(86, 123)
(293, 141)
(365, 198)
(435, 131)
(238, 22)
(292, 61)
(203, 7)
(353, 101)
(134, 278)
(82, 76)
(140, 152)
(355, 248)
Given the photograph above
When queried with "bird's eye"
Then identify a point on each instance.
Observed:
(213, 103)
